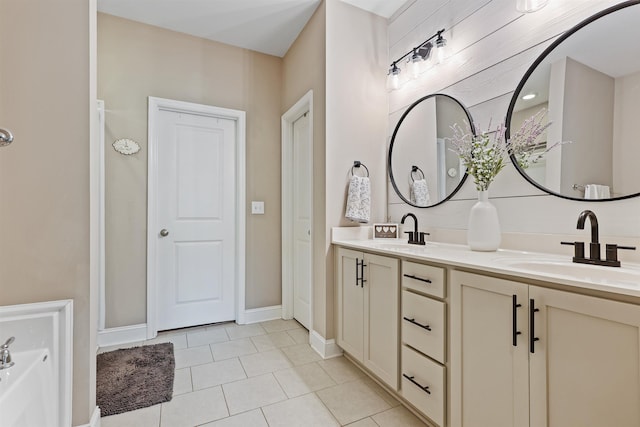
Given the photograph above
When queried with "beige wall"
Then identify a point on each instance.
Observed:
(626, 150)
(136, 61)
(356, 116)
(304, 70)
(341, 56)
(45, 100)
(587, 119)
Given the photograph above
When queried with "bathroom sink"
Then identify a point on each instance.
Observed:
(567, 268)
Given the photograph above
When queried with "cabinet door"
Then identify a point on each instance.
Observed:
(489, 374)
(585, 366)
(381, 311)
(350, 303)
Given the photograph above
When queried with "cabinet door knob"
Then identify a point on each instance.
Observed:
(164, 232)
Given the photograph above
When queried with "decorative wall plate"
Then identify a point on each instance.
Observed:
(126, 146)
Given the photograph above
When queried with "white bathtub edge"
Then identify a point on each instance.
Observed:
(60, 313)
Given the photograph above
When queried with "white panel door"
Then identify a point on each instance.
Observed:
(196, 219)
(302, 173)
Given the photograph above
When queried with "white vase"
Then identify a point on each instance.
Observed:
(483, 232)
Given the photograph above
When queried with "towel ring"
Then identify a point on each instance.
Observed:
(415, 169)
(357, 164)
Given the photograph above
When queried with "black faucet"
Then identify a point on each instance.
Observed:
(415, 237)
(594, 246)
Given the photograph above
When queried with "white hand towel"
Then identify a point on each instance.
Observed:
(595, 191)
(358, 199)
(420, 192)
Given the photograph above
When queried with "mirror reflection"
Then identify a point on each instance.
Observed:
(589, 81)
(424, 172)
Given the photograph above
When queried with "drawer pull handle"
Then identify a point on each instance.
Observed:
(411, 276)
(427, 327)
(424, 388)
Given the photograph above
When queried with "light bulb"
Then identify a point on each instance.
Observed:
(393, 78)
(441, 45)
(414, 64)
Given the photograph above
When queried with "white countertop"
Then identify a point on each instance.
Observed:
(551, 268)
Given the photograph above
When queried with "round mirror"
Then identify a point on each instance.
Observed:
(588, 82)
(424, 172)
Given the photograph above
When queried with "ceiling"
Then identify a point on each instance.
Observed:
(267, 26)
(384, 8)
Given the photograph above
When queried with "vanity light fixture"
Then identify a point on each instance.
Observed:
(528, 6)
(529, 96)
(416, 58)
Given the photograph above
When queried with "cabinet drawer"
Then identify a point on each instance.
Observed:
(424, 324)
(423, 278)
(418, 372)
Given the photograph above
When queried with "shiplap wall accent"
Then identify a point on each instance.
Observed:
(492, 46)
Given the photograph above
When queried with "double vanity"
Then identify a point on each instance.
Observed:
(509, 338)
(504, 338)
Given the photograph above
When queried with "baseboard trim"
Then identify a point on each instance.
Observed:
(122, 335)
(262, 314)
(327, 349)
(95, 419)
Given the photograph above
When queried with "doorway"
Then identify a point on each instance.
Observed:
(195, 235)
(297, 212)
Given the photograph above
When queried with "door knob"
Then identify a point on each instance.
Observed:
(164, 232)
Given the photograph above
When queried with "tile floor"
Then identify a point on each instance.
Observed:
(259, 375)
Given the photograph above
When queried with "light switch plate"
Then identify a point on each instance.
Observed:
(257, 208)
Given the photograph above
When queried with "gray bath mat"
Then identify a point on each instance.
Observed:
(134, 378)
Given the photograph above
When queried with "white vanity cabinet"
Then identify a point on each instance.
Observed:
(524, 355)
(367, 311)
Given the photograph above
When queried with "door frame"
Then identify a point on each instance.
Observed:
(98, 174)
(155, 106)
(304, 104)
